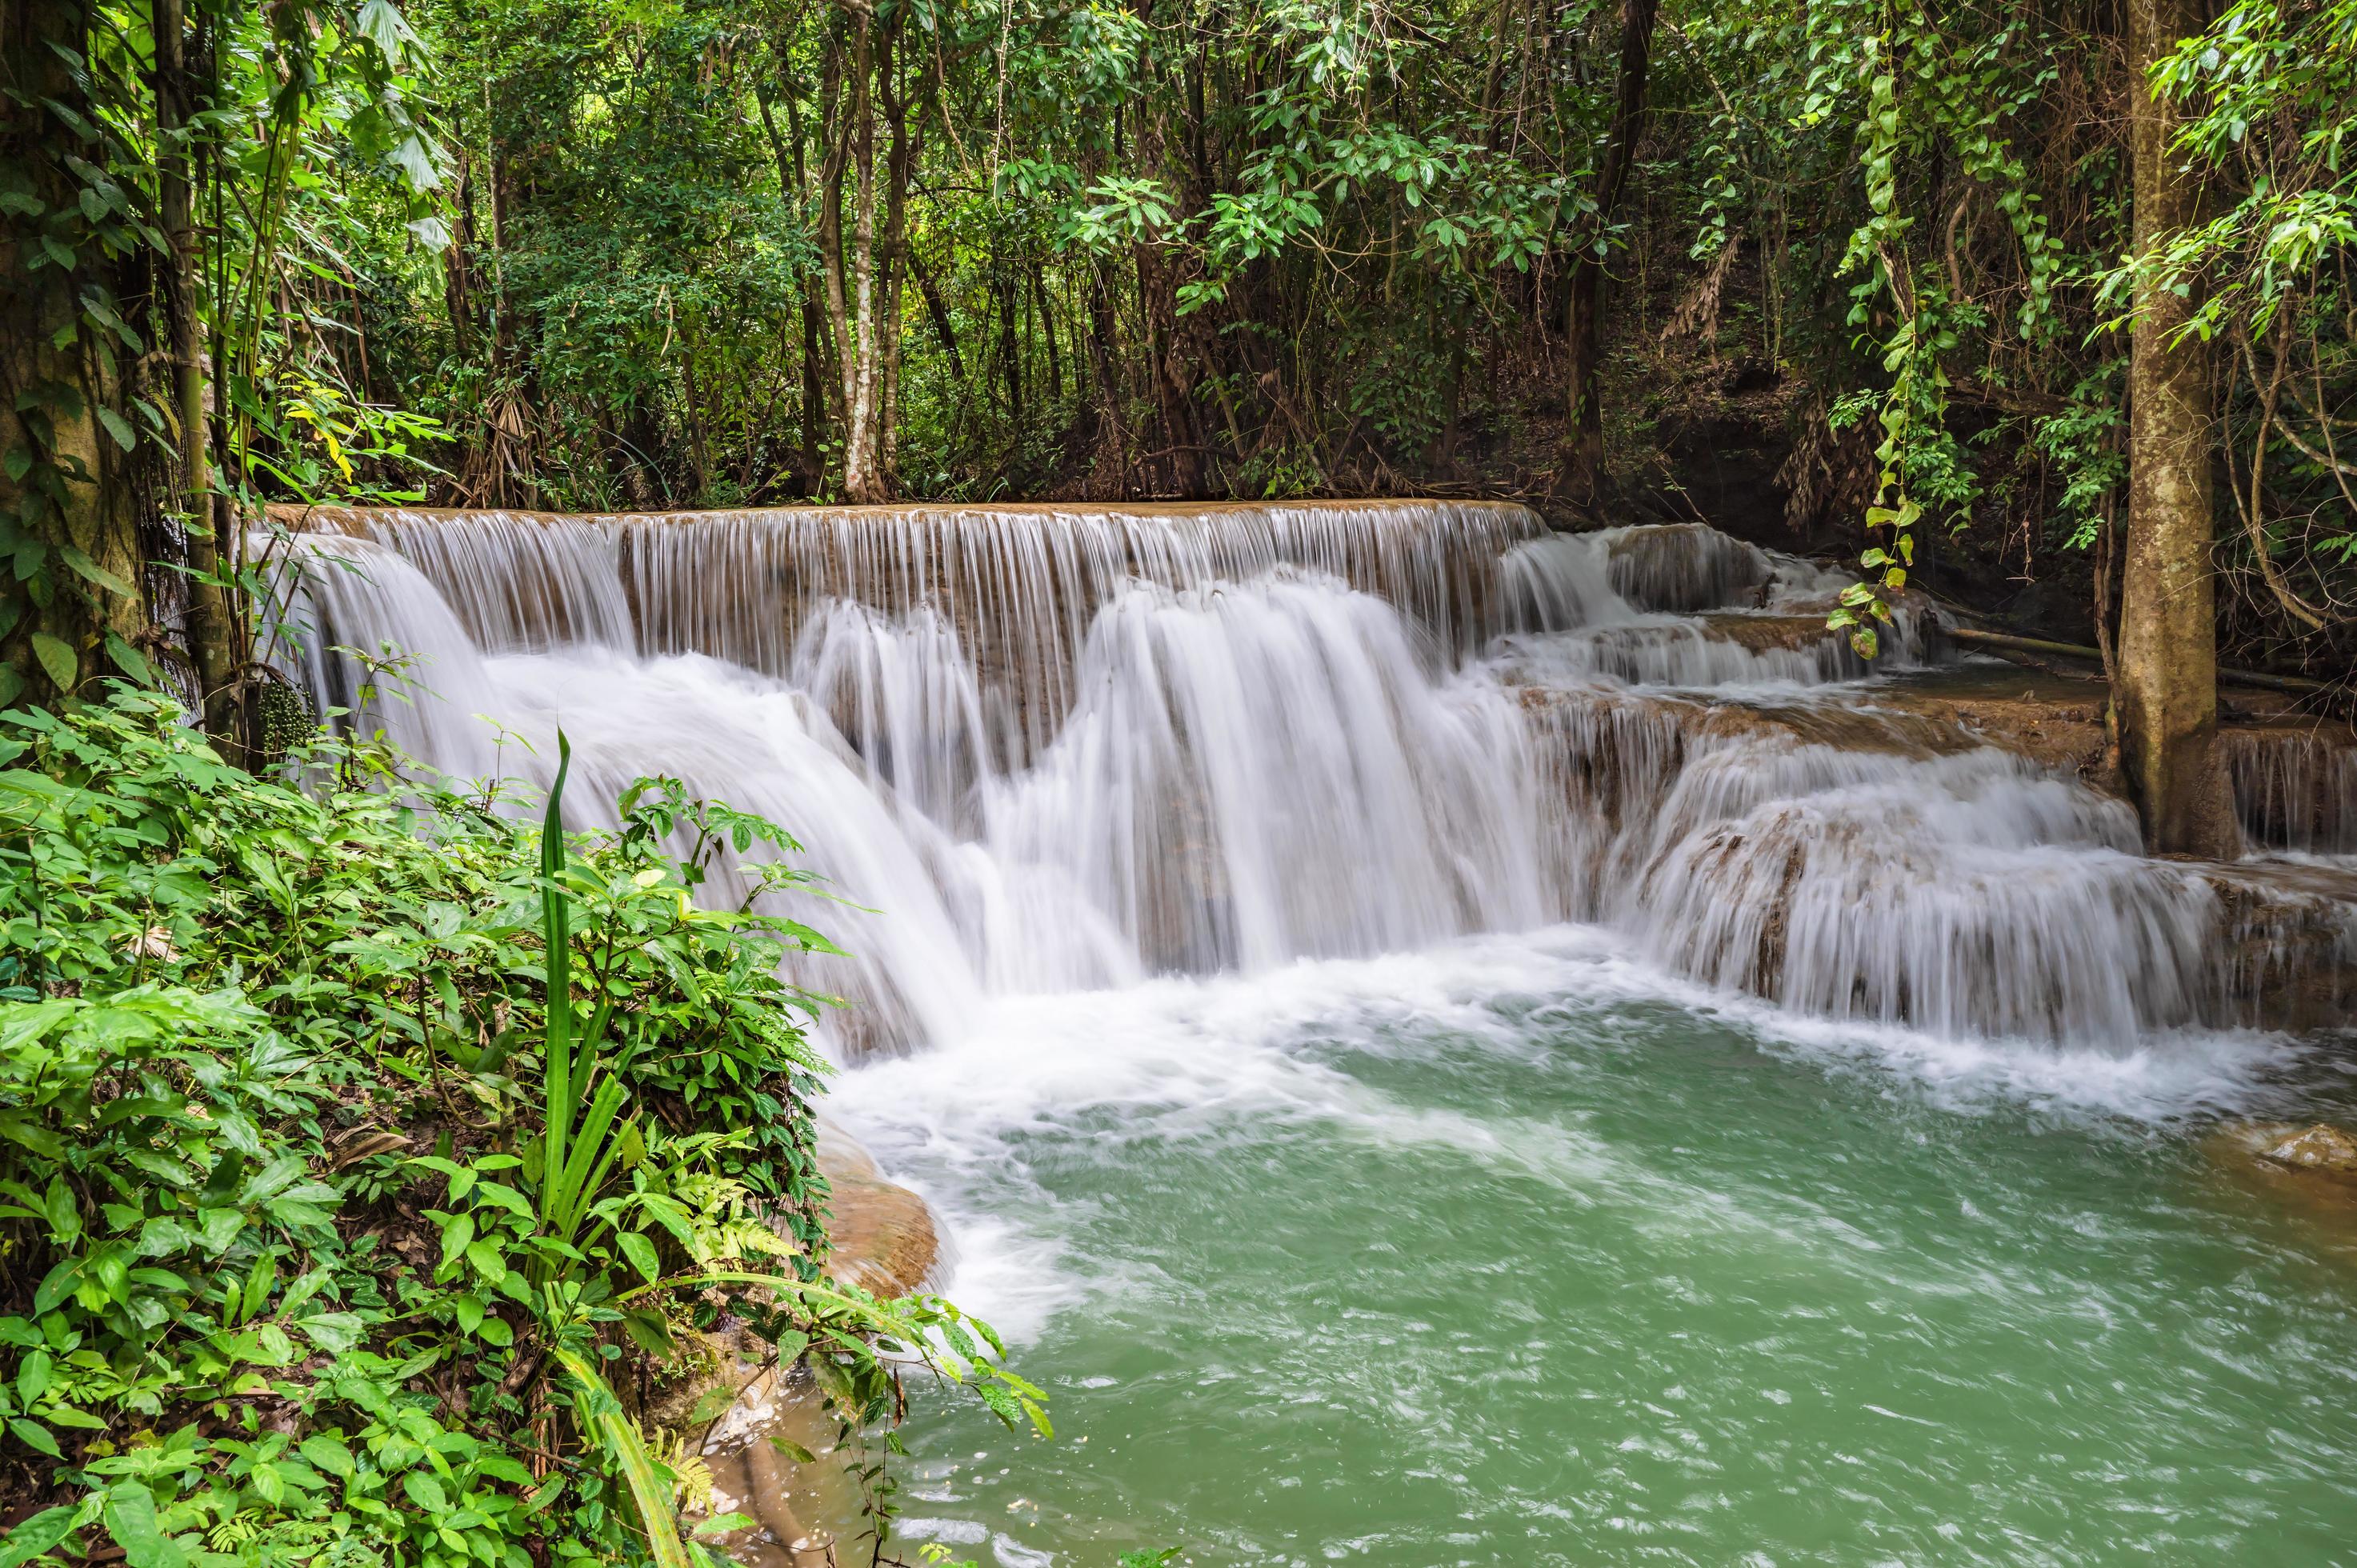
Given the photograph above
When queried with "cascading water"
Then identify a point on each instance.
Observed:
(1398, 968)
(1065, 749)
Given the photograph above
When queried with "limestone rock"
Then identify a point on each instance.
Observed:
(882, 1234)
(2321, 1148)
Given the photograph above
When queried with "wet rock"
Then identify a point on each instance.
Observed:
(2289, 947)
(2322, 1148)
(1762, 631)
(2055, 721)
(2320, 1199)
(745, 1416)
(881, 1235)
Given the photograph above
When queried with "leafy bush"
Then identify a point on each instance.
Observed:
(354, 1136)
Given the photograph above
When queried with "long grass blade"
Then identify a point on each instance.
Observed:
(572, 1189)
(624, 1442)
(557, 977)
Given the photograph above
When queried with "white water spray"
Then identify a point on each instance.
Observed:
(1063, 749)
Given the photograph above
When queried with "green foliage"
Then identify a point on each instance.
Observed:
(277, 93)
(351, 1137)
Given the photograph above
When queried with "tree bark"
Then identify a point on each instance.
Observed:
(793, 178)
(859, 292)
(2167, 695)
(1040, 306)
(1007, 293)
(77, 495)
(211, 626)
(1584, 323)
(937, 311)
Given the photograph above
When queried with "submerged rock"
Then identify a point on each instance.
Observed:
(2322, 1148)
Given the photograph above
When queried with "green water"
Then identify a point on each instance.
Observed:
(1512, 1257)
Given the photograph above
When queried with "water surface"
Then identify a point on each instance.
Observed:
(1516, 1252)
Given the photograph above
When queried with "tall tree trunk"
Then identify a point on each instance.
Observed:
(1584, 327)
(1107, 428)
(71, 516)
(699, 445)
(1176, 352)
(937, 311)
(793, 176)
(1007, 293)
(814, 391)
(892, 256)
(212, 635)
(861, 293)
(2166, 696)
(1040, 306)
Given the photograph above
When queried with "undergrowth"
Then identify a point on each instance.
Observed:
(363, 1146)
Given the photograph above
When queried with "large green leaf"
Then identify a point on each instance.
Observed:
(58, 659)
(131, 1518)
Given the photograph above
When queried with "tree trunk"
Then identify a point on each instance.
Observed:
(814, 393)
(2166, 696)
(211, 626)
(1007, 293)
(861, 291)
(1584, 325)
(793, 178)
(71, 518)
(937, 311)
(901, 148)
(1040, 306)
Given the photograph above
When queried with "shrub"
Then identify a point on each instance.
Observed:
(354, 1134)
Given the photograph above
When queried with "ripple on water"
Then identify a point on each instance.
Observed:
(1517, 1251)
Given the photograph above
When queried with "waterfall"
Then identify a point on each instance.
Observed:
(1060, 749)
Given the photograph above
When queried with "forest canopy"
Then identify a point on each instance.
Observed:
(1854, 277)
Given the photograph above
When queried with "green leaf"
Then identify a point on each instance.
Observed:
(58, 660)
(426, 1491)
(130, 1516)
(34, 1436)
(641, 1253)
(384, 26)
(335, 1332)
(328, 1454)
(628, 1449)
(457, 1236)
(722, 1524)
(129, 660)
(84, 566)
(33, 1377)
(57, 1284)
(36, 1535)
(118, 427)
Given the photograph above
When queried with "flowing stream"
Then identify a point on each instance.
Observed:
(1445, 1043)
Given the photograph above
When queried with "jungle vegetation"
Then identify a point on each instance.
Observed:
(2056, 292)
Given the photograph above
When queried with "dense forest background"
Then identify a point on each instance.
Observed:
(2045, 308)
(1845, 276)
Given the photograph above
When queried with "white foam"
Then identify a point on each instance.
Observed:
(1220, 1060)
